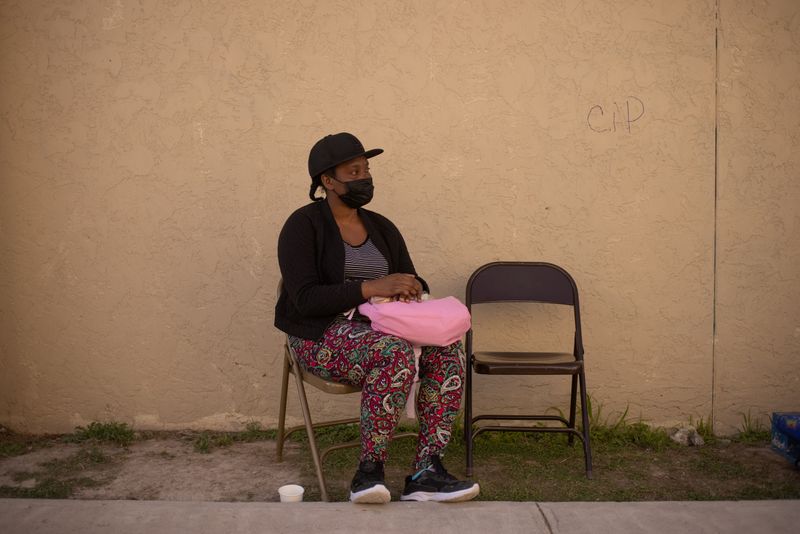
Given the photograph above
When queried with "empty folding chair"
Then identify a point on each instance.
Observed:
(503, 282)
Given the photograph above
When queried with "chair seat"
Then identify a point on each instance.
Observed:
(526, 363)
(327, 386)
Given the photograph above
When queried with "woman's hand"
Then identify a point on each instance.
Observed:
(401, 285)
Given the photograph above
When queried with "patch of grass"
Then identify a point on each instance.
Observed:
(112, 432)
(705, 428)
(205, 442)
(708, 462)
(752, 431)
(95, 456)
(13, 444)
(613, 431)
(202, 443)
(339, 434)
(58, 478)
(595, 410)
(49, 488)
(12, 449)
(223, 440)
(79, 461)
(46, 489)
(22, 476)
(632, 461)
(254, 432)
(639, 434)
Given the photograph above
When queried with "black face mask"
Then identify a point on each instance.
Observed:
(359, 192)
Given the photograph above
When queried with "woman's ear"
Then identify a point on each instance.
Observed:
(327, 182)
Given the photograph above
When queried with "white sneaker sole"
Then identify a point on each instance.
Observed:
(453, 496)
(377, 494)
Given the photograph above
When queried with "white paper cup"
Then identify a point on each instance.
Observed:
(291, 493)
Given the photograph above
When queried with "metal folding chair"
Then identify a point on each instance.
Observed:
(499, 282)
(291, 366)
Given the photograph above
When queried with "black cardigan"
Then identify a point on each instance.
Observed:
(311, 258)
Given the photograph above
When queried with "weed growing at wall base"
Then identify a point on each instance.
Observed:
(254, 432)
(112, 432)
(704, 428)
(751, 431)
(618, 430)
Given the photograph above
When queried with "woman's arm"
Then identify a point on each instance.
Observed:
(297, 259)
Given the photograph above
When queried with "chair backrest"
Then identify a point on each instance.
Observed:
(521, 281)
(504, 281)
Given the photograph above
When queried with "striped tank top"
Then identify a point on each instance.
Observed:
(364, 262)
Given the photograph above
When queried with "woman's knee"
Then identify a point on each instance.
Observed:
(450, 359)
(396, 353)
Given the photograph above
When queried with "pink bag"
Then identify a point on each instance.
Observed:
(434, 322)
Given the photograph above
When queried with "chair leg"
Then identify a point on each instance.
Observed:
(587, 449)
(573, 395)
(468, 417)
(312, 442)
(282, 412)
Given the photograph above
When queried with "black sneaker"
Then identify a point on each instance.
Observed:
(436, 484)
(368, 486)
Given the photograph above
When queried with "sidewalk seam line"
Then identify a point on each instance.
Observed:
(546, 521)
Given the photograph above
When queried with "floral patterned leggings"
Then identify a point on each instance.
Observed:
(351, 352)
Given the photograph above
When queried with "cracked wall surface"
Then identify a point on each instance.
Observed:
(150, 152)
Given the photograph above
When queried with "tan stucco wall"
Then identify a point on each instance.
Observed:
(150, 152)
(758, 265)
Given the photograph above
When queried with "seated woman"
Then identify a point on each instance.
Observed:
(335, 255)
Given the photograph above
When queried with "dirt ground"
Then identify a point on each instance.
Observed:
(162, 469)
(170, 467)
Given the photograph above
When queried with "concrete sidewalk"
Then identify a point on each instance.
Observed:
(31, 516)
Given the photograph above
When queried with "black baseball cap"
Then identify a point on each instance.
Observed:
(334, 149)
